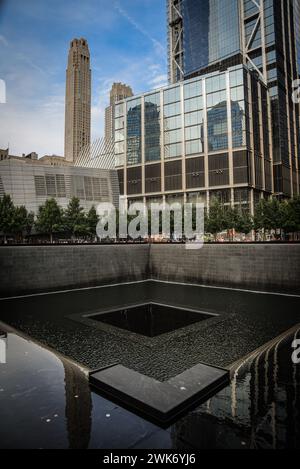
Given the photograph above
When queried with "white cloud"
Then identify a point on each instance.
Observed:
(158, 46)
(26, 131)
(3, 40)
(158, 81)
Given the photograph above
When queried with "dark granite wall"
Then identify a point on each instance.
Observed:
(30, 269)
(264, 267)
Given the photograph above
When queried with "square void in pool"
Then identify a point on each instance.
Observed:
(151, 319)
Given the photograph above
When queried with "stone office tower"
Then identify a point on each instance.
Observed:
(78, 99)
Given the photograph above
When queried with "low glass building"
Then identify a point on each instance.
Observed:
(201, 138)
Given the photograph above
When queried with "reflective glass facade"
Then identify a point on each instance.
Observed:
(211, 32)
(119, 133)
(152, 127)
(172, 123)
(271, 48)
(134, 131)
(197, 137)
(206, 36)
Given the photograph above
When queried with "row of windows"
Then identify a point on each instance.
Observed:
(241, 196)
(217, 131)
(83, 187)
(193, 96)
(218, 173)
(192, 121)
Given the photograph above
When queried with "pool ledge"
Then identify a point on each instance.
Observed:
(159, 401)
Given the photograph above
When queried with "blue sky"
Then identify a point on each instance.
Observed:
(127, 40)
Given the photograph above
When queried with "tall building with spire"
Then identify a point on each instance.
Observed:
(118, 92)
(78, 99)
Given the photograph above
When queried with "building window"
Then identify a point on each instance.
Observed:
(153, 178)
(134, 132)
(218, 166)
(172, 109)
(193, 118)
(152, 127)
(217, 127)
(173, 175)
(40, 186)
(193, 89)
(60, 185)
(134, 180)
(194, 104)
(195, 176)
(172, 95)
(171, 123)
(50, 185)
(241, 167)
(173, 150)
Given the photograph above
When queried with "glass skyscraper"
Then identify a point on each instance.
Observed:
(196, 140)
(227, 125)
(212, 35)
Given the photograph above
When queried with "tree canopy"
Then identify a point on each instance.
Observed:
(278, 218)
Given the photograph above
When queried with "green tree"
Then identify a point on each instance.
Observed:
(268, 216)
(215, 220)
(231, 216)
(259, 220)
(272, 215)
(295, 207)
(49, 218)
(20, 221)
(92, 220)
(244, 222)
(290, 215)
(29, 223)
(7, 211)
(74, 219)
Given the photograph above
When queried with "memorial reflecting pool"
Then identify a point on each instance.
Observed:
(46, 400)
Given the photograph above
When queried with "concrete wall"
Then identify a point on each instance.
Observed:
(30, 269)
(263, 267)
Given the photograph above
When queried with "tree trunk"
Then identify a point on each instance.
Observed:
(51, 238)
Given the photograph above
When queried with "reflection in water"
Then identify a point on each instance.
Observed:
(78, 407)
(260, 409)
